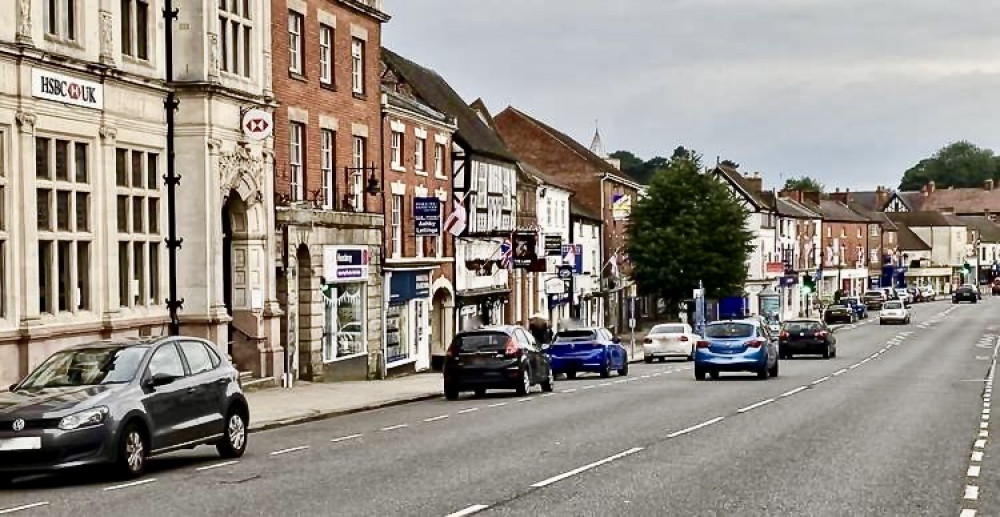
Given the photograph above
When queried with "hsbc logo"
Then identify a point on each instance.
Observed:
(257, 124)
(66, 89)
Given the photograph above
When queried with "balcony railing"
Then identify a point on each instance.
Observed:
(353, 190)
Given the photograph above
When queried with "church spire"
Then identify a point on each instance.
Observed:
(596, 146)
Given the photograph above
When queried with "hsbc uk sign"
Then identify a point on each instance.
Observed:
(66, 89)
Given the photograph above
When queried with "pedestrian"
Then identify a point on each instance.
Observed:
(540, 329)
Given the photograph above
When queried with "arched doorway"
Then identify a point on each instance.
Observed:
(442, 328)
(234, 227)
(304, 341)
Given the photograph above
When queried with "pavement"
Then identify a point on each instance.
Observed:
(893, 426)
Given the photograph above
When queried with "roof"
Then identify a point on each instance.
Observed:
(926, 219)
(864, 201)
(433, 90)
(909, 241)
(965, 201)
(987, 229)
(586, 154)
(743, 184)
(839, 212)
(913, 200)
(883, 219)
(412, 105)
(544, 177)
(791, 208)
(578, 210)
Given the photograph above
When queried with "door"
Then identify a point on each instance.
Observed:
(168, 405)
(207, 388)
(536, 368)
(421, 317)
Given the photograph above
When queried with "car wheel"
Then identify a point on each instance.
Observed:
(606, 369)
(774, 369)
(480, 392)
(826, 352)
(549, 384)
(234, 443)
(133, 451)
(764, 373)
(624, 371)
(648, 360)
(833, 353)
(570, 375)
(714, 374)
(525, 386)
(450, 393)
(663, 359)
(699, 374)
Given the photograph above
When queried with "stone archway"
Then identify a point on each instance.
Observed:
(442, 321)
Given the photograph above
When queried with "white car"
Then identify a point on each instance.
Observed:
(676, 340)
(893, 311)
(904, 296)
(928, 293)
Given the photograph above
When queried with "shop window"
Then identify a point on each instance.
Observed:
(397, 341)
(139, 239)
(345, 329)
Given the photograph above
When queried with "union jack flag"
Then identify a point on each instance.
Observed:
(505, 249)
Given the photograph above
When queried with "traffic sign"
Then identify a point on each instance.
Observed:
(257, 124)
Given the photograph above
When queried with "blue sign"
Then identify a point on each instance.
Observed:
(789, 280)
(427, 216)
(572, 254)
(408, 285)
(555, 300)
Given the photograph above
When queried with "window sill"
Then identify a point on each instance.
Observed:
(345, 358)
(419, 172)
(359, 96)
(327, 86)
(297, 76)
(399, 168)
(137, 61)
(59, 40)
(440, 176)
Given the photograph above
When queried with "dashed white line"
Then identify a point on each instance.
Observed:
(589, 387)
(469, 410)
(23, 507)
(217, 466)
(793, 392)
(609, 459)
(971, 492)
(349, 437)
(130, 485)
(571, 390)
(657, 374)
(621, 381)
(984, 434)
(548, 394)
(393, 427)
(291, 449)
(498, 404)
(706, 423)
(755, 406)
(436, 418)
(977, 456)
(476, 508)
(968, 512)
(821, 379)
(980, 444)
(526, 399)
(840, 372)
(644, 377)
(605, 384)
(973, 471)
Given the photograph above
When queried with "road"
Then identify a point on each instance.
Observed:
(895, 425)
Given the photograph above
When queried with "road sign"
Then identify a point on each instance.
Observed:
(257, 124)
(565, 272)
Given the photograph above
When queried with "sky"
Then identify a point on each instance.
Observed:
(851, 92)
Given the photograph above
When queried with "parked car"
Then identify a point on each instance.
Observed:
(588, 350)
(839, 312)
(915, 295)
(894, 311)
(874, 299)
(904, 296)
(860, 310)
(669, 340)
(117, 403)
(736, 346)
(496, 357)
(928, 293)
(965, 293)
(806, 336)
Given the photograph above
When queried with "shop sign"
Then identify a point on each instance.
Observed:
(572, 255)
(553, 245)
(345, 262)
(63, 88)
(775, 267)
(408, 285)
(621, 207)
(257, 124)
(555, 300)
(525, 253)
(427, 216)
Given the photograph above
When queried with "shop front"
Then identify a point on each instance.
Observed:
(407, 322)
(481, 308)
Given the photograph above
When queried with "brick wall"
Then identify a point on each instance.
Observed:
(849, 239)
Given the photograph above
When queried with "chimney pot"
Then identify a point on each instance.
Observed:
(988, 184)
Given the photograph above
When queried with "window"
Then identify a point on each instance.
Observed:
(326, 55)
(199, 359)
(295, 160)
(358, 66)
(873, 231)
(357, 178)
(295, 54)
(397, 225)
(61, 19)
(860, 233)
(397, 149)
(135, 28)
(166, 361)
(327, 146)
(843, 232)
(439, 160)
(344, 329)
(62, 179)
(418, 154)
(235, 45)
(139, 239)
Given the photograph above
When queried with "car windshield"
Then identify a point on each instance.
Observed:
(892, 305)
(850, 301)
(729, 330)
(965, 289)
(576, 335)
(838, 307)
(873, 294)
(86, 367)
(802, 326)
(667, 329)
(481, 341)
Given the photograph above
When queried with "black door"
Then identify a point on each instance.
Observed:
(168, 405)
(533, 354)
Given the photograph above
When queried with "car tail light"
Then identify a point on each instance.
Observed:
(703, 344)
(684, 338)
(453, 351)
(755, 343)
(512, 350)
(647, 341)
(783, 334)
(822, 334)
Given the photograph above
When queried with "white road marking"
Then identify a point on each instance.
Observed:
(984, 425)
(498, 404)
(349, 437)
(571, 390)
(292, 449)
(793, 392)
(470, 410)
(605, 384)
(967, 513)
(609, 459)
(971, 492)
(644, 377)
(621, 381)
(755, 406)
(548, 394)
(706, 423)
(853, 366)
(23, 507)
(984, 434)
(129, 485)
(980, 444)
(216, 466)
(393, 427)
(977, 456)
(526, 399)
(873, 356)
(589, 387)
(840, 372)
(436, 418)
(821, 379)
(973, 471)
(476, 508)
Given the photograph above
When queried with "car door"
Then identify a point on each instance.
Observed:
(168, 405)
(536, 366)
(207, 389)
(772, 344)
(616, 351)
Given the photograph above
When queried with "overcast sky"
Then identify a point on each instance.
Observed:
(852, 92)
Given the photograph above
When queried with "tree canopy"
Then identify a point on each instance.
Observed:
(689, 227)
(803, 183)
(640, 170)
(959, 164)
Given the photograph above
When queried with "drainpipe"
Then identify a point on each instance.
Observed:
(172, 179)
(383, 364)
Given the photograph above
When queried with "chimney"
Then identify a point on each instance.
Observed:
(754, 183)
(840, 197)
(811, 197)
(794, 195)
(988, 185)
(881, 198)
(930, 187)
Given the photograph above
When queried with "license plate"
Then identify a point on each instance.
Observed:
(802, 334)
(26, 443)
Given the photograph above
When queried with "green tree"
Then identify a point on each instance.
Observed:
(639, 170)
(959, 164)
(689, 227)
(803, 183)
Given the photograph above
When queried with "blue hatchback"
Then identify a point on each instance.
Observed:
(736, 346)
(587, 350)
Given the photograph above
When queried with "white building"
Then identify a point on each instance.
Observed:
(585, 235)
(797, 239)
(552, 211)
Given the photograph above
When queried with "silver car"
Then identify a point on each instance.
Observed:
(119, 402)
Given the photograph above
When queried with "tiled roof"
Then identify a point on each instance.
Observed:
(734, 176)
(790, 208)
(925, 219)
(914, 200)
(543, 177)
(909, 241)
(839, 212)
(966, 201)
(581, 211)
(988, 230)
(433, 90)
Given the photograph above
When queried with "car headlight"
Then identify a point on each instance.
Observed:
(85, 418)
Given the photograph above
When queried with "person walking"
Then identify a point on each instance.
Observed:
(540, 329)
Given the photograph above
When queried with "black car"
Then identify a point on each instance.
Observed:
(118, 403)
(839, 312)
(806, 336)
(965, 294)
(874, 299)
(500, 357)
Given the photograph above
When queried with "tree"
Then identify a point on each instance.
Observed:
(803, 183)
(959, 164)
(641, 171)
(689, 227)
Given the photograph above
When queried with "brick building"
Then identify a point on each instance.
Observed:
(845, 249)
(419, 270)
(329, 185)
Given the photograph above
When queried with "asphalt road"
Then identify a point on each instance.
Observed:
(892, 426)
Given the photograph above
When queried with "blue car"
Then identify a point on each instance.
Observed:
(860, 309)
(736, 346)
(587, 350)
